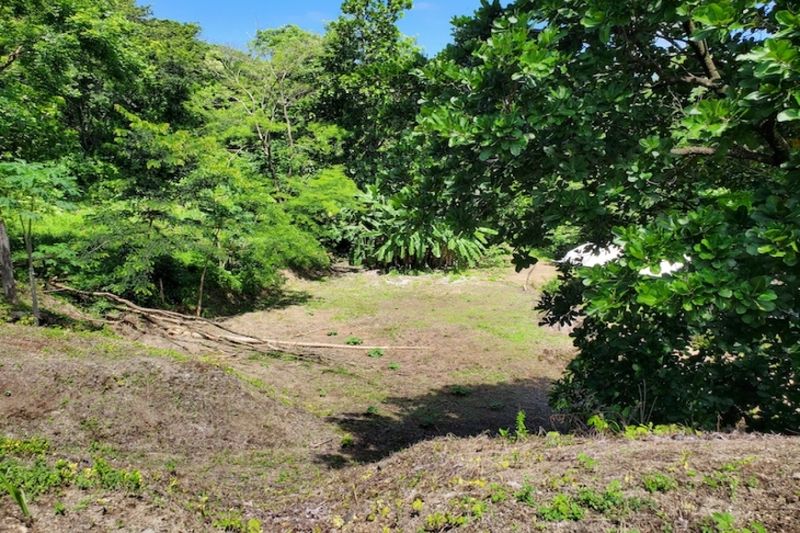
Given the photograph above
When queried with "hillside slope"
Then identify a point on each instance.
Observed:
(654, 483)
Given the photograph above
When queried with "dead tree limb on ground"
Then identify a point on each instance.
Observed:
(171, 324)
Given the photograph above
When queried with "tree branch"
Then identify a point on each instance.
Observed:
(780, 147)
(174, 323)
(701, 51)
(737, 152)
(11, 58)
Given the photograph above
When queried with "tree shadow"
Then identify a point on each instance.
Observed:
(458, 410)
(282, 298)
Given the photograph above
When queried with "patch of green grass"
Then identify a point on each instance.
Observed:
(481, 374)
(376, 353)
(35, 477)
(394, 366)
(26, 470)
(101, 474)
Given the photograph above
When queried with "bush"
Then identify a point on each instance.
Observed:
(395, 232)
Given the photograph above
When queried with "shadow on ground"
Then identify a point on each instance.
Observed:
(457, 410)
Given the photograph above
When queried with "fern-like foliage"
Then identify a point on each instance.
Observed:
(392, 232)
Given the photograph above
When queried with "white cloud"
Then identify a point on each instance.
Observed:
(318, 17)
(424, 6)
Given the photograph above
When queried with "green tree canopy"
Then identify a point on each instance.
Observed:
(670, 129)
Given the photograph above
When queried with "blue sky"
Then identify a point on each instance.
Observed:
(234, 22)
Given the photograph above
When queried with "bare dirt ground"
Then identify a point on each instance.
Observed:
(360, 441)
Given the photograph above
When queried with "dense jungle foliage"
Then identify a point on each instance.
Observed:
(137, 159)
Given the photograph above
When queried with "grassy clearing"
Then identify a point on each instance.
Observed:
(275, 443)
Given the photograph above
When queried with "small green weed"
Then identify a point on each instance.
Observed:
(525, 494)
(587, 462)
(521, 430)
(17, 494)
(726, 523)
(26, 473)
(648, 430)
(376, 353)
(23, 448)
(658, 482)
(36, 478)
(394, 366)
(443, 521)
(602, 502)
(722, 480)
(354, 341)
(561, 508)
(554, 439)
(599, 423)
(497, 493)
(234, 522)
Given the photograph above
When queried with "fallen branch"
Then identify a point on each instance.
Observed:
(169, 320)
(736, 152)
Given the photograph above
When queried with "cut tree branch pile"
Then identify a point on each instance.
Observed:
(209, 333)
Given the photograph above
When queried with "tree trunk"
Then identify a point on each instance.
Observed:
(6, 267)
(37, 315)
(288, 124)
(202, 288)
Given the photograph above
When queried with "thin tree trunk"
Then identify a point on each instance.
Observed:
(202, 288)
(288, 123)
(28, 234)
(7, 267)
